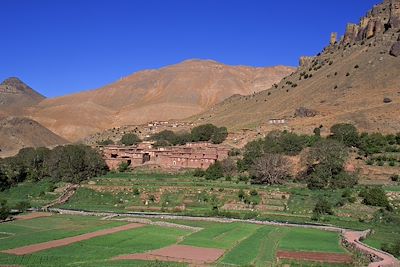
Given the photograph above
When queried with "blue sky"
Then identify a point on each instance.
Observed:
(60, 47)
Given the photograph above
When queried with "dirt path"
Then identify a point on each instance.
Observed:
(69, 240)
(387, 260)
(33, 215)
(65, 196)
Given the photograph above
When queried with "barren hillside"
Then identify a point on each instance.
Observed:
(16, 96)
(173, 92)
(355, 79)
(18, 132)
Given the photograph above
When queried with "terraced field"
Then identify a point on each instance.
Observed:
(244, 244)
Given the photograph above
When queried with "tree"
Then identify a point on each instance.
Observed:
(375, 196)
(4, 210)
(229, 167)
(323, 207)
(215, 171)
(325, 166)
(270, 169)
(345, 133)
(75, 163)
(203, 132)
(219, 135)
(130, 139)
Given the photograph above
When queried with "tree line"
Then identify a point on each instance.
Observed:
(69, 163)
(201, 133)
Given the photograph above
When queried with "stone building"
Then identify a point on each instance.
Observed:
(189, 156)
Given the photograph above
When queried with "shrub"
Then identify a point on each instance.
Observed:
(215, 171)
(345, 133)
(4, 210)
(395, 177)
(199, 173)
(23, 206)
(136, 191)
(130, 139)
(322, 207)
(106, 142)
(375, 196)
(123, 166)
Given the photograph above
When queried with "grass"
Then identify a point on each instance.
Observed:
(257, 250)
(26, 232)
(220, 235)
(246, 244)
(93, 252)
(302, 239)
(36, 193)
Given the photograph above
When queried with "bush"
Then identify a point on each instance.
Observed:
(375, 196)
(215, 171)
(4, 210)
(345, 133)
(123, 166)
(136, 191)
(106, 142)
(323, 207)
(23, 206)
(199, 173)
(395, 177)
(209, 132)
(130, 139)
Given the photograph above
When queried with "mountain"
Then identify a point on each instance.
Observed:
(19, 132)
(355, 79)
(172, 92)
(16, 96)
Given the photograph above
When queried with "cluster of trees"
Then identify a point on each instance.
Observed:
(367, 143)
(201, 133)
(70, 163)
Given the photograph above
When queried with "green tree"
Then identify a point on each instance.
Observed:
(215, 171)
(4, 210)
(375, 196)
(325, 166)
(203, 132)
(345, 133)
(106, 142)
(219, 135)
(130, 139)
(75, 163)
(323, 207)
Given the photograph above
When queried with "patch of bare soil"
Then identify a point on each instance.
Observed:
(33, 215)
(178, 253)
(315, 256)
(69, 240)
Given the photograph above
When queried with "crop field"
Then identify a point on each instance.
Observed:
(243, 244)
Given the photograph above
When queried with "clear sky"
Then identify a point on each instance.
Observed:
(60, 47)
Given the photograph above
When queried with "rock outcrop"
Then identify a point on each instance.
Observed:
(378, 21)
(395, 50)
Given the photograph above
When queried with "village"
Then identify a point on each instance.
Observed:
(189, 156)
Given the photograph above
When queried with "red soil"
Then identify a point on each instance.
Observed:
(33, 215)
(315, 256)
(69, 240)
(178, 253)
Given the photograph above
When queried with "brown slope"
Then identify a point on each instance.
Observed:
(19, 132)
(16, 96)
(349, 82)
(172, 92)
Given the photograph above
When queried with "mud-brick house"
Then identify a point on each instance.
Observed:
(189, 156)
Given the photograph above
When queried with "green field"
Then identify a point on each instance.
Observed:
(245, 244)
